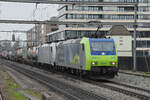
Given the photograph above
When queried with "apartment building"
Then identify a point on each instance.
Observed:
(38, 34)
(107, 13)
(34, 37)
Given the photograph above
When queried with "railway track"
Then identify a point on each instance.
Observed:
(142, 74)
(71, 92)
(119, 87)
(133, 91)
(136, 92)
(129, 86)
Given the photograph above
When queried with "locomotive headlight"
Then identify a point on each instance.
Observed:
(94, 63)
(113, 63)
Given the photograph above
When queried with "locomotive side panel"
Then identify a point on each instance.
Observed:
(44, 54)
(60, 55)
(52, 55)
(70, 55)
(82, 56)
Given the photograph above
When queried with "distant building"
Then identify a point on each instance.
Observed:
(34, 36)
(123, 40)
(38, 34)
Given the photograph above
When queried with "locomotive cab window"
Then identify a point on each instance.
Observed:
(102, 46)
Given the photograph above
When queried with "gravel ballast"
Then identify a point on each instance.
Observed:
(139, 81)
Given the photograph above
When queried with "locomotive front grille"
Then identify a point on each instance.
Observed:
(103, 69)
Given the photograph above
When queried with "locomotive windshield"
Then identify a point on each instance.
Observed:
(102, 46)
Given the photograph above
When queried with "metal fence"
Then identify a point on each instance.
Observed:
(143, 63)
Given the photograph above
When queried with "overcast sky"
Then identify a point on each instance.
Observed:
(23, 11)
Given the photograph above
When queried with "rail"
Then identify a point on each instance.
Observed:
(133, 90)
(72, 92)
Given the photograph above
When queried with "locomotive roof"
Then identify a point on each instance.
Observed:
(71, 41)
(102, 39)
(91, 39)
(47, 45)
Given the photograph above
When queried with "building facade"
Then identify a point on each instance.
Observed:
(107, 13)
(34, 36)
(38, 34)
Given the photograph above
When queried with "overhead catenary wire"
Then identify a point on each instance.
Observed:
(70, 2)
